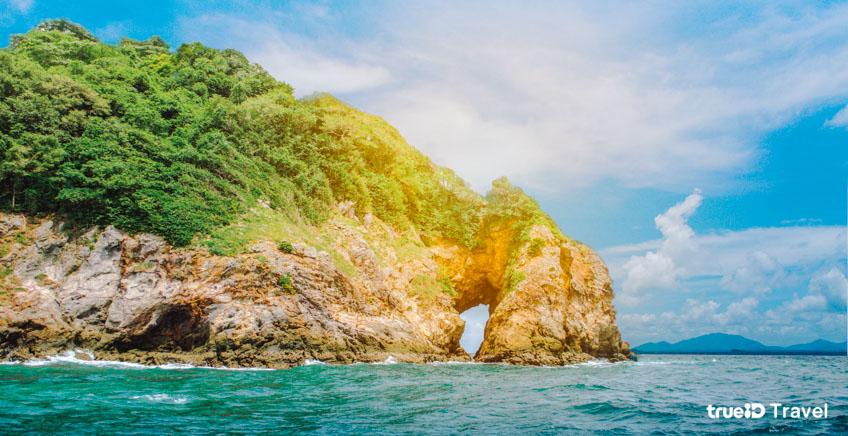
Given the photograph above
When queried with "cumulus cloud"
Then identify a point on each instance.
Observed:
(696, 317)
(822, 307)
(839, 120)
(658, 269)
(832, 286)
(781, 283)
(760, 274)
(751, 261)
(800, 320)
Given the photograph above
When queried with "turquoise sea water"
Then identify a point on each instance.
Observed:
(658, 395)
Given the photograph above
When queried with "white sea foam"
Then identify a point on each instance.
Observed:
(391, 360)
(460, 362)
(10, 362)
(177, 366)
(310, 362)
(596, 362)
(249, 368)
(71, 357)
(162, 398)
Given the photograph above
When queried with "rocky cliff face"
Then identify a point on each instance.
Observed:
(136, 298)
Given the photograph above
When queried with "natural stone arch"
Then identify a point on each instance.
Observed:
(560, 312)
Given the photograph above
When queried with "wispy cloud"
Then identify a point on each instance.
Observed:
(839, 120)
(113, 31)
(22, 6)
(658, 95)
(294, 58)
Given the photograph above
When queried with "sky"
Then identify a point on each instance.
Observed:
(700, 147)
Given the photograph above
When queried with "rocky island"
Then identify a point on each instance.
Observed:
(182, 206)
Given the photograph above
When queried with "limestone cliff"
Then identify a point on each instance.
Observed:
(137, 298)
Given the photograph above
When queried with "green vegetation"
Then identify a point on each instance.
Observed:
(180, 143)
(285, 282)
(510, 206)
(445, 281)
(427, 288)
(512, 277)
(200, 146)
(286, 247)
(143, 267)
(536, 245)
(21, 238)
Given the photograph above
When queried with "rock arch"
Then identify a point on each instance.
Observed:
(551, 305)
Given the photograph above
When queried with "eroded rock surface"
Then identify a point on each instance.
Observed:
(136, 298)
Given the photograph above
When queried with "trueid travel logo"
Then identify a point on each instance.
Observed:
(758, 410)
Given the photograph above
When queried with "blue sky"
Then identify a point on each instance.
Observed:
(610, 114)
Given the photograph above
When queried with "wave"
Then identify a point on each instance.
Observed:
(71, 357)
(247, 368)
(391, 360)
(161, 398)
(460, 362)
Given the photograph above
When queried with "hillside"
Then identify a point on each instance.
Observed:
(720, 343)
(244, 196)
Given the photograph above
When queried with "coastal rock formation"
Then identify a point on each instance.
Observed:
(558, 314)
(137, 298)
(183, 205)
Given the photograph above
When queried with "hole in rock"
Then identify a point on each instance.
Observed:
(475, 325)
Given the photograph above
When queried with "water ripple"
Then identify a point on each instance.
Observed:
(657, 395)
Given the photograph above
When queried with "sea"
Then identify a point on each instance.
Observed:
(659, 394)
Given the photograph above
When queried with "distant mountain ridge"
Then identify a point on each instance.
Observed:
(721, 343)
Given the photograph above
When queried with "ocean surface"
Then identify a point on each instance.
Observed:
(660, 394)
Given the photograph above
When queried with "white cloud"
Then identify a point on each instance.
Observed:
(292, 58)
(750, 261)
(658, 269)
(310, 72)
(832, 286)
(738, 312)
(839, 120)
(759, 274)
(760, 264)
(114, 31)
(22, 5)
(824, 301)
(800, 320)
(567, 93)
(696, 317)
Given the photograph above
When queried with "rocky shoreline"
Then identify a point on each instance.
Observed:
(135, 298)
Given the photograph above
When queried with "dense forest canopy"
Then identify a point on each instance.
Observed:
(178, 143)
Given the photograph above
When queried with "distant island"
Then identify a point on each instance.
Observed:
(721, 343)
